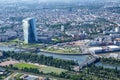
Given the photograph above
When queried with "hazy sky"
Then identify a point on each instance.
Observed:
(37, 0)
(57, 0)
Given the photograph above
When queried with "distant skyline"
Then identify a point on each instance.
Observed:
(59, 0)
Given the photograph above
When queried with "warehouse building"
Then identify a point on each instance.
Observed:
(110, 48)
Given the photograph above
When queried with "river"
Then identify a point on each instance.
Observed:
(6, 48)
(108, 65)
(79, 58)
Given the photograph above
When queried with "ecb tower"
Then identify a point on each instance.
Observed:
(29, 30)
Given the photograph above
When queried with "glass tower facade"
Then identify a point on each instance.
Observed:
(29, 29)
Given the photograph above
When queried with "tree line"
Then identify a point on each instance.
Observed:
(41, 59)
(89, 73)
(110, 61)
(95, 73)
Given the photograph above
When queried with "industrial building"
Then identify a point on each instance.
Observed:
(96, 49)
(110, 48)
(114, 48)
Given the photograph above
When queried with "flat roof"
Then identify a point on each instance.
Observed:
(27, 19)
(31, 77)
(113, 46)
(95, 48)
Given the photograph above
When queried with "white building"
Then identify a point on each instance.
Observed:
(113, 48)
(110, 48)
(96, 49)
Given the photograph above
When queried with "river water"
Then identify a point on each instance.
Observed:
(108, 65)
(79, 58)
(6, 48)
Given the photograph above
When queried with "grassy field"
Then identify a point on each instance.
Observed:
(23, 65)
(45, 69)
(65, 51)
(52, 69)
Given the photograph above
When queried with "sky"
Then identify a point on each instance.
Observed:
(58, 0)
(37, 0)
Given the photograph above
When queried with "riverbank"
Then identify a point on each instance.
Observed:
(59, 53)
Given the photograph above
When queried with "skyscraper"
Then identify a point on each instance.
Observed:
(29, 29)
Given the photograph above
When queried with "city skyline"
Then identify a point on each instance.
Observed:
(59, 39)
(59, 1)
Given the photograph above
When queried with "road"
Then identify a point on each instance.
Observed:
(18, 71)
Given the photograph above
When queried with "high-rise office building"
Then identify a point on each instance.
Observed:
(29, 29)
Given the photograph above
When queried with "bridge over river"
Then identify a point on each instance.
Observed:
(92, 60)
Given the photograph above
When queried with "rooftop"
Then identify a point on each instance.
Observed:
(113, 46)
(95, 48)
(27, 19)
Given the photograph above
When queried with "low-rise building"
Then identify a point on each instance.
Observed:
(29, 77)
(110, 48)
(2, 71)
